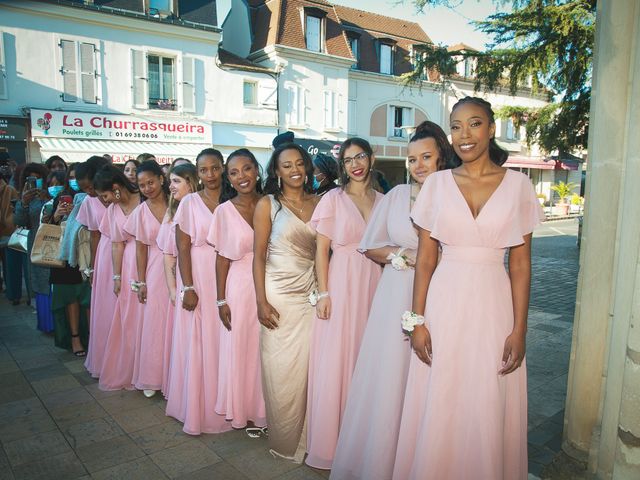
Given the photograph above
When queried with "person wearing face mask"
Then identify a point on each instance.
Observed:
(325, 174)
(70, 294)
(28, 212)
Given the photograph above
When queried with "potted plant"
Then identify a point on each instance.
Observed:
(576, 203)
(542, 198)
(563, 190)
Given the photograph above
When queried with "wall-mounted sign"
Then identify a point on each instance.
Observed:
(13, 129)
(99, 126)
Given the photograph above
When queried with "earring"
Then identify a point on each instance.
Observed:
(408, 177)
(280, 183)
(117, 192)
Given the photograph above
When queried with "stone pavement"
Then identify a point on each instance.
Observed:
(56, 424)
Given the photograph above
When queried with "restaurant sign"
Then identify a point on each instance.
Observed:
(98, 126)
(13, 129)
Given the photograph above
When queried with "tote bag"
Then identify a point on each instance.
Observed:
(18, 239)
(46, 246)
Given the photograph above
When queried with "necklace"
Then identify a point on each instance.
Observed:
(290, 203)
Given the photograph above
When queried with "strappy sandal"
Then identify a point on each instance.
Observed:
(257, 432)
(79, 353)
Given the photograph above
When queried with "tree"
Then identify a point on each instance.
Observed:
(547, 42)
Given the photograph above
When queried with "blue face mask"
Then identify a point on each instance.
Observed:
(316, 183)
(39, 183)
(73, 183)
(55, 191)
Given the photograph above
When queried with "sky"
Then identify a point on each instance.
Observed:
(443, 25)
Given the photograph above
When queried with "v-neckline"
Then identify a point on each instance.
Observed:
(152, 214)
(482, 209)
(282, 205)
(240, 215)
(353, 204)
(197, 194)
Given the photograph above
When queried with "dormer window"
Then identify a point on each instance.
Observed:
(386, 59)
(314, 28)
(354, 44)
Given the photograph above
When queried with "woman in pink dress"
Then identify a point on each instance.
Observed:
(193, 373)
(100, 273)
(153, 295)
(240, 397)
(284, 277)
(369, 431)
(120, 349)
(183, 180)
(346, 285)
(466, 416)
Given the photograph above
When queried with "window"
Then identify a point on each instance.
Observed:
(312, 33)
(79, 75)
(161, 82)
(297, 106)
(354, 44)
(250, 93)
(161, 5)
(400, 117)
(332, 102)
(386, 55)
(3, 70)
(465, 67)
(513, 132)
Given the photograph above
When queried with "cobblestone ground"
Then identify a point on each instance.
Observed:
(56, 424)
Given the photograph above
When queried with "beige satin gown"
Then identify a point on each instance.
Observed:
(289, 279)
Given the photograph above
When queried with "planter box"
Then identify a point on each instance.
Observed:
(561, 209)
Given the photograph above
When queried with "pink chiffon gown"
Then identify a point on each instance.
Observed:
(335, 342)
(193, 372)
(461, 419)
(166, 242)
(369, 431)
(147, 370)
(120, 349)
(240, 384)
(103, 300)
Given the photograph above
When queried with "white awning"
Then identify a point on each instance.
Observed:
(79, 150)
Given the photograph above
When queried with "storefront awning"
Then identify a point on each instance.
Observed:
(549, 163)
(73, 150)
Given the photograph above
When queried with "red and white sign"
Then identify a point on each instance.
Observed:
(99, 126)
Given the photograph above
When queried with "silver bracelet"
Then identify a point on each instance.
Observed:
(221, 302)
(186, 288)
(323, 295)
(116, 277)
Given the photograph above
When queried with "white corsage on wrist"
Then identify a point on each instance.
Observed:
(410, 320)
(315, 296)
(399, 261)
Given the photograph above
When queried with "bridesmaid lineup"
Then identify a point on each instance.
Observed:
(381, 337)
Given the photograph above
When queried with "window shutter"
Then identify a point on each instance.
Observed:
(267, 94)
(339, 112)
(188, 84)
(69, 71)
(304, 105)
(327, 109)
(293, 105)
(407, 113)
(313, 33)
(88, 72)
(352, 112)
(139, 80)
(4, 93)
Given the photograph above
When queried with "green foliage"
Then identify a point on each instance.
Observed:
(548, 43)
(576, 199)
(564, 189)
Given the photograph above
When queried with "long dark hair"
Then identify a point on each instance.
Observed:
(88, 169)
(210, 151)
(53, 158)
(228, 192)
(497, 154)
(366, 147)
(109, 175)
(429, 129)
(271, 184)
(154, 168)
(30, 168)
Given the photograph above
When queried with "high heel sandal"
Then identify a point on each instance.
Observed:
(79, 353)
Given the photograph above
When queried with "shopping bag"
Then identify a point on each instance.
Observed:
(46, 246)
(18, 239)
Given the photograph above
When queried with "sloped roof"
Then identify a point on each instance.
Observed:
(461, 46)
(231, 60)
(381, 24)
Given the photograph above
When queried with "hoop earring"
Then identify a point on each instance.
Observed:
(117, 193)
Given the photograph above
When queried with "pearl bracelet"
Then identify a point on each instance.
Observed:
(322, 295)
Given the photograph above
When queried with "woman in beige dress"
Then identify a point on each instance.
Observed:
(283, 271)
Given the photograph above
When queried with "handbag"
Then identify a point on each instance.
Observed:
(46, 246)
(18, 239)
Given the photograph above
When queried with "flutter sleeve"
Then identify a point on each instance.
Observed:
(105, 223)
(118, 225)
(144, 227)
(377, 234)
(323, 220)
(530, 214)
(425, 209)
(167, 238)
(184, 216)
